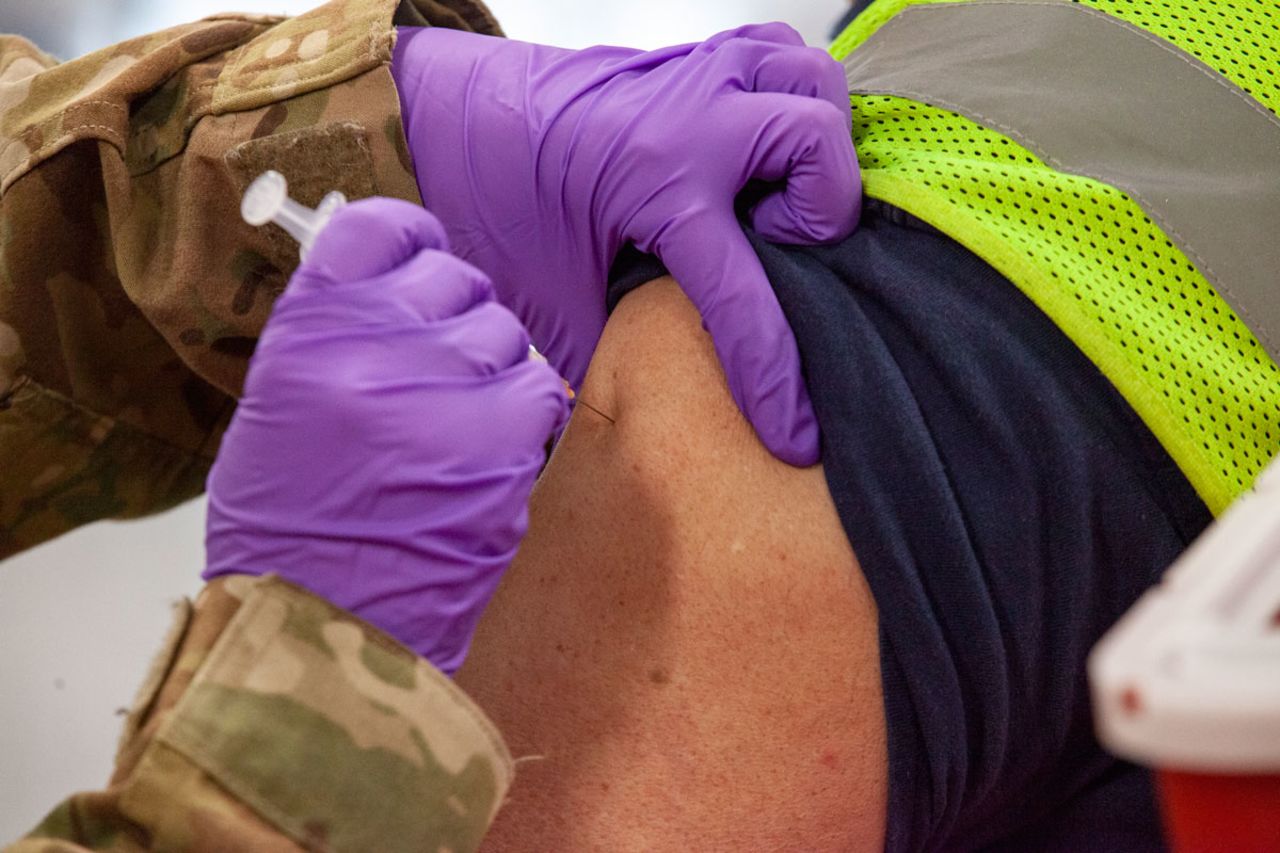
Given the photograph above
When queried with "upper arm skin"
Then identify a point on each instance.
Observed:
(685, 642)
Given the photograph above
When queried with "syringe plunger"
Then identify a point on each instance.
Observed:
(267, 200)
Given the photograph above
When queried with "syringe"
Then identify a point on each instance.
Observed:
(267, 200)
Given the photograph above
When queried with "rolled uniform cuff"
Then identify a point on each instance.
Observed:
(272, 713)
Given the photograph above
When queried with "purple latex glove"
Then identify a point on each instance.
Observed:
(543, 163)
(391, 429)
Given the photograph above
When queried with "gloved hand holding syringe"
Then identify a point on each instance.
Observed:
(391, 427)
(267, 200)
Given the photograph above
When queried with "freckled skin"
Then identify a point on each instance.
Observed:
(703, 673)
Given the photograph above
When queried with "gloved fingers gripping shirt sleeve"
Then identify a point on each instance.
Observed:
(797, 143)
(544, 163)
(363, 747)
(131, 293)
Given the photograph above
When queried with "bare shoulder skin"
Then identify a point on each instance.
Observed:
(685, 650)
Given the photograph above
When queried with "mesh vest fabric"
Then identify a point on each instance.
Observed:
(1089, 256)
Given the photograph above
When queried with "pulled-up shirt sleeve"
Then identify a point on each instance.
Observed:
(131, 292)
(273, 721)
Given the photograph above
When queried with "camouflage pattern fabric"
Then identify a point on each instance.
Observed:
(273, 721)
(131, 293)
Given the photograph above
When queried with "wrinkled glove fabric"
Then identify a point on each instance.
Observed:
(544, 163)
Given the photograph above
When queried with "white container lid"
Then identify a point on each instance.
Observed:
(1189, 679)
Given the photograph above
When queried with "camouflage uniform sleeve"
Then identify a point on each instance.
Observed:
(273, 721)
(131, 294)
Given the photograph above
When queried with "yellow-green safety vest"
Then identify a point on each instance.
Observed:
(1118, 161)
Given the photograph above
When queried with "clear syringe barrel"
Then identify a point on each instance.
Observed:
(267, 200)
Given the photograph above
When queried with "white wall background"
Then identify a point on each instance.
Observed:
(80, 616)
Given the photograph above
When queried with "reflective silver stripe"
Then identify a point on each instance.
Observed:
(1095, 96)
